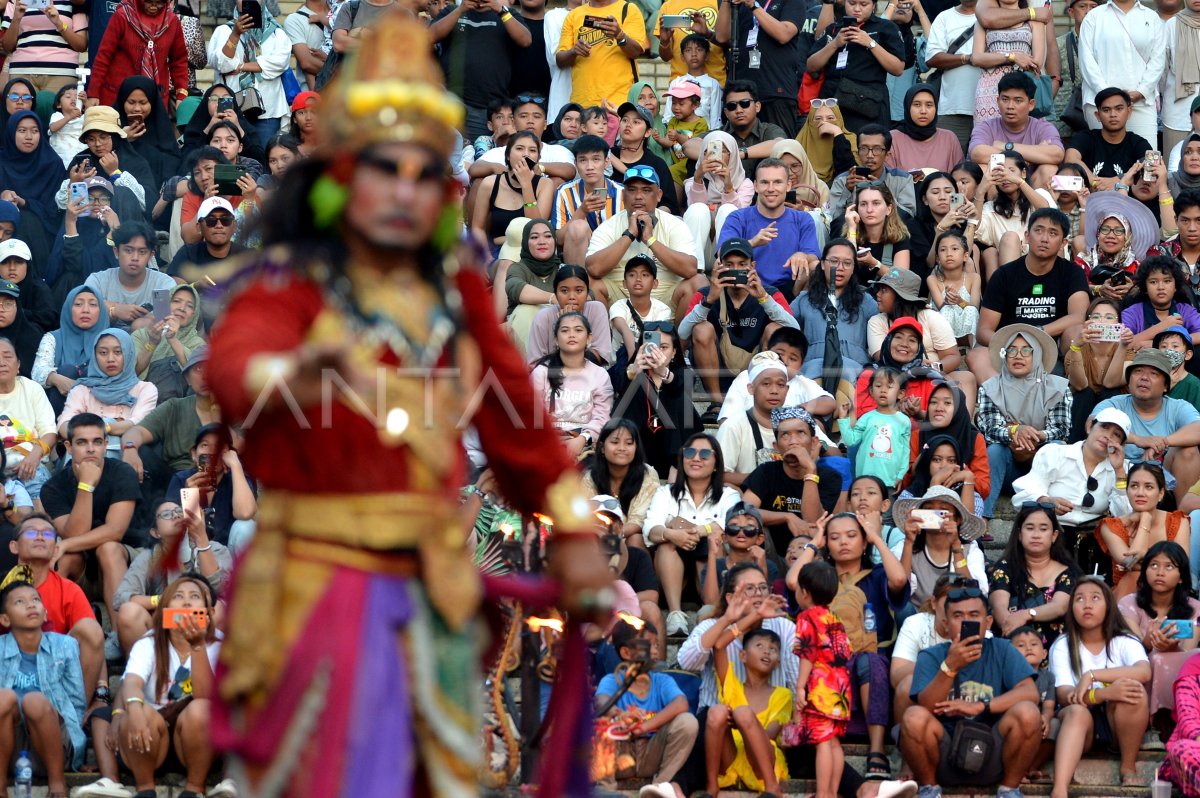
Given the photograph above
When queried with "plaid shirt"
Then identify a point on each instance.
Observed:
(994, 423)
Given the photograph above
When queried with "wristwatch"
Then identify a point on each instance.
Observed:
(1008, 146)
(629, 235)
(872, 45)
(987, 706)
(621, 41)
(1032, 612)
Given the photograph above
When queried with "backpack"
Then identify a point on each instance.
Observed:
(850, 606)
(333, 61)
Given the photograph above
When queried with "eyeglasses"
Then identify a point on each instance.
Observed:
(168, 515)
(212, 220)
(642, 172)
(1109, 230)
(735, 104)
(101, 200)
(735, 531)
(830, 102)
(839, 264)
(872, 150)
(44, 534)
(661, 326)
(691, 453)
(1023, 351)
(1089, 499)
(757, 590)
(20, 98)
(536, 99)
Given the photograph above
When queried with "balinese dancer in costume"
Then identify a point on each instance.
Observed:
(351, 664)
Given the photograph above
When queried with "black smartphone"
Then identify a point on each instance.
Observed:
(740, 276)
(225, 104)
(790, 197)
(203, 461)
(862, 171)
(532, 164)
(969, 629)
(253, 9)
(591, 22)
(226, 176)
(847, 22)
(1120, 278)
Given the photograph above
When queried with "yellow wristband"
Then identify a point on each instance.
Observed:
(1032, 14)
(762, 300)
(506, 16)
(1122, 484)
(1076, 348)
(1167, 200)
(45, 446)
(154, 600)
(86, 488)
(813, 478)
(652, 241)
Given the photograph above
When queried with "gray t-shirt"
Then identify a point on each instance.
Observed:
(1175, 414)
(107, 283)
(367, 14)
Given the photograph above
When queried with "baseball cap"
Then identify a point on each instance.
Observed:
(305, 99)
(100, 183)
(685, 88)
(642, 172)
(1195, 105)
(211, 204)
(906, 321)
(14, 248)
(1111, 415)
(906, 283)
(199, 355)
(609, 505)
(741, 508)
(642, 112)
(739, 245)
(639, 260)
(214, 428)
(9, 288)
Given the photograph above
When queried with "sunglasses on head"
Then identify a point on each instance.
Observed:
(536, 99)
(735, 104)
(964, 593)
(607, 504)
(642, 173)
(212, 220)
(691, 453)
(661, 326)
(830, 102)
(1049, 507)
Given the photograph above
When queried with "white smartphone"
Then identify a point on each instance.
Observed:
(1066, 183)
(930, 519)
(1109, 331)
(189, 499)
(995, 159)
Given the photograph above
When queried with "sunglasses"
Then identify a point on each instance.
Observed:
(608, 504)
(223, 221)
(1089, 499)
(20, 98)
(1049, 507)
(691, 453)
(735, 531)
(646, 173)
(44, 534)
(536, 99)
(735, 104)
(830, 102)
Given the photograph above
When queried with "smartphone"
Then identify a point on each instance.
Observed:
(969, 629)
(957, 200)
(995, 159)
(790, 197)
(1184, 629)
(203, 461)
(136, 119)
(172, 616)
(1120, 278)
(79, 194)
(1066, 183)
(930, 519)
(715, 149)
(253, 9)
(1149, 163)
(863, 252)
(225, 104)
(1109, 332)
(847, 22)
(863, 171)
(189, 500)
(740, 276)
(601, 192)
(591, 22)
(226, 176)
(651, 338)
(162, 303)
(917, 175)
(675, 21)
(86, 163)
(36, 5)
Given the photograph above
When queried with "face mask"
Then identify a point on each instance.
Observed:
(1176, 358)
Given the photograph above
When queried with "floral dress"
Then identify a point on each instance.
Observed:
(821, 639)
(779, 709)
(1009, 40)
(1033, 596)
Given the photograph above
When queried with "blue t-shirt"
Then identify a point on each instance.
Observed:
(1174, 415)
(27, 676)
(999, 669)
(797, 233)
(663, 691)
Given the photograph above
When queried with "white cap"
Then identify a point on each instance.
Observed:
(764, 362)
(14, 248)
(211, 204)
(1111, 415)
(608, 505)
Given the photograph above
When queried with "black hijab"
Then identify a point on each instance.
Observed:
(35, 176)
(912, 366)
(921, 469)
(195, 135)
(4, 97)
(960, 429)
(157, 145)
(911, 128)
(26, 337)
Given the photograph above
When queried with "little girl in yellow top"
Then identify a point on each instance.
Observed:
(744, 749)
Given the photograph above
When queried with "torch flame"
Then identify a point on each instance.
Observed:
(544, 520)
(507, 531)
(538, 624)
(604, 518)
(632, 620)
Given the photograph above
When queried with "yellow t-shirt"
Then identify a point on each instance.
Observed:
(607, 72)
(715, 64)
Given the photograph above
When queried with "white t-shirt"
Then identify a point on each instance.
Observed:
(958, 84)
(141, 663)
(917, 633)
(1120, 653)
(801, 390)
(738, 445)
(659, 311)
(664, 507)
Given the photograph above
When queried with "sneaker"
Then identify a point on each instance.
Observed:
(926, 791)
(901, 789)
(226, 789)
(677, 625)
(662, 790)
(1009, 792)
(1151, 741)
(101, 788)
(112, 647)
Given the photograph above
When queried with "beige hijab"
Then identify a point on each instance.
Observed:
(808, 178)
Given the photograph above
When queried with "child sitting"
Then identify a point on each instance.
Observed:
(653, 707)
(954, 292)
(66, 123)
(1027, 640)
(823, 684)
(627, 316)
(41, 691)
(694, 51)
(884, 431)
(743, 726)
(684, 124)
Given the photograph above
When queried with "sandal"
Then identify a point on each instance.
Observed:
(878, 767)
(711, 416)
(1131, 779)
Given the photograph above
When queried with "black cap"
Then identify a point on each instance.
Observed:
(642, 260)
(642, 112)
(740, 245)
(215, 428)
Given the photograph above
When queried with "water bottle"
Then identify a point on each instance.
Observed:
(24, 785)
(868, 619)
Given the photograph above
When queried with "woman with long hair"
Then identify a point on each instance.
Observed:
(1095, 368)
(569, 291)
(1165, 299)
(1128, 539)
(1100, 674)
(873, 222)
(1002, 218)
(1032, 582)
(578, 393)
(935, 216)
(519, 191)
(1164, 614)
(619, 468)
(682, 515)
(853, 307)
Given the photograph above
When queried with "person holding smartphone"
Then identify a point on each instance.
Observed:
(252, 51)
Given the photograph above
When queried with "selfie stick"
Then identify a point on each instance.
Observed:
(734, 51)
(81, 87)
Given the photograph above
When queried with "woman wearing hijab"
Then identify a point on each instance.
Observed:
(643, 94)
(720, 183)
(1188, 174)
(566, 127)
(917, 142)
(807, 187)
(198, 131)
(30, 173)
(247, 57)
(164, 348)
(63, 355)
(829, 145)
(1181, 79)
(111, 389)
(24, 334)
(125, 50)
(19, 95)
(903, 349)
(149, 130)
(529, 282)
(1023, 407)
(949, 417)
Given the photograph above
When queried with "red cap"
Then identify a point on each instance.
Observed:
(907, 321)
(305, 99)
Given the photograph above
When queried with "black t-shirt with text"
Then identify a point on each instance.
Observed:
(779, 493)
(1108, 160)
(779, 65)
(1021, 297)
(746, 323)
(118, 483)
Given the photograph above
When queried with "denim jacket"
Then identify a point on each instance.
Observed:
(61, 678)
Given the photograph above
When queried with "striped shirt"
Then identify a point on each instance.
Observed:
(41, 48)
(570, 196)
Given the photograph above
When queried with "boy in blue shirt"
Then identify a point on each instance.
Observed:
(41, 691)
(653, 707)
